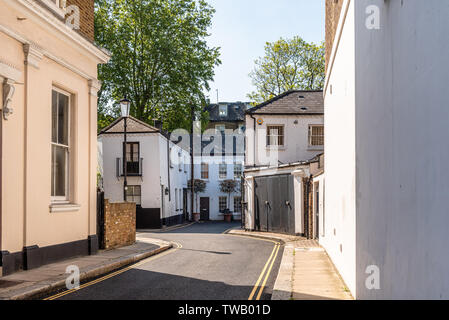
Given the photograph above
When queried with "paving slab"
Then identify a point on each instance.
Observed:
(306, 271)
(49, 278)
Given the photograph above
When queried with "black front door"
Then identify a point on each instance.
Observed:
(204, 207)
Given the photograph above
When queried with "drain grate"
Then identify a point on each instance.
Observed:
(7, 284)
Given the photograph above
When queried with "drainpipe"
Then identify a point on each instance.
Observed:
(168, 161)
(254, 138)
(192, 174)
(1, 186)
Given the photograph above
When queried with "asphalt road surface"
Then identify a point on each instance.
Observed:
(205, 265)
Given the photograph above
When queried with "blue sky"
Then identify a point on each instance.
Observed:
(242, 27)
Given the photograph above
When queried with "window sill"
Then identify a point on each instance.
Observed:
(276, 148)
(64, 207)
(317, 148)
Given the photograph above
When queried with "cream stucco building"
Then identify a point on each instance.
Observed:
(48, 92)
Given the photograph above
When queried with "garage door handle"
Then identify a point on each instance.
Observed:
(287, 203)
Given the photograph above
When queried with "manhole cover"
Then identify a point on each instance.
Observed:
(7, 284)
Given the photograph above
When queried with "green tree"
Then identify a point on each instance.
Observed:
(160, 58)
(291, 64)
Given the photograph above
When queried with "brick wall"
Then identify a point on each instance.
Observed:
(333, 10)
(86, 17)
(119, 224)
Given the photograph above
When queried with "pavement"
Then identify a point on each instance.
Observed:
(205, 264)
(33, 284)
(306, 271)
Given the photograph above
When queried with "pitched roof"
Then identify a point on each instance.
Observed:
(292, 102)
(133, 126)
(236, 112)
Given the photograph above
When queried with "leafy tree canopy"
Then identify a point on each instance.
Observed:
(160, 58)
(291, 64)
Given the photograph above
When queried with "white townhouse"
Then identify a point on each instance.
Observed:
(284, 139)
(387, 129)
(158, 172)
(222, 157)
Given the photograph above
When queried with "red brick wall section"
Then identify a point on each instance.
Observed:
(119, 224)
(86, 17)
(333, 10)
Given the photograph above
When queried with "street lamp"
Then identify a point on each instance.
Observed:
(124, 109)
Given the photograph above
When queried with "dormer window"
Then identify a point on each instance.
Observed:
(223, 110)
(57, 6)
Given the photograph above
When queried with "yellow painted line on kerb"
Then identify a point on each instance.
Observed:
(269, 263)
(271, 260)
(111, 275)
(268, 273)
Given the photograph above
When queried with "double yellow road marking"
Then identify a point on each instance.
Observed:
(265, 271)
(111, 275)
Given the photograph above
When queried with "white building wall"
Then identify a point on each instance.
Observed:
(113, 186)
(213, 183)
(402, 112)
(386, 165)
(296, 146)
(178, 179)
(339, 109)
(153, 150)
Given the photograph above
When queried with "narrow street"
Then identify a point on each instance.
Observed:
(204, 265)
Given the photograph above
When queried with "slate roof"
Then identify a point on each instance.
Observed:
(236, 112)
(133, 126)
(292, 102)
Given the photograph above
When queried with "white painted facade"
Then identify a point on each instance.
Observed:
(386, 177)
(213, 183)
(156, 165)
(296, 147)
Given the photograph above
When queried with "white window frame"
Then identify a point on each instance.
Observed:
(225, 202)
(223, 110)
(277, 136)
(236, 165)
(203, 171)
(63, 199)
(140, 196)
(223, 165)
(240, 204)
(310, 136)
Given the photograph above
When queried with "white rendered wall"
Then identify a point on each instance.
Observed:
(296, 139)
(402, 130)
(153, 150)
(213, 183)
(339, 109)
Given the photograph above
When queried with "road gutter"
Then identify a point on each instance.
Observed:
(46, 287)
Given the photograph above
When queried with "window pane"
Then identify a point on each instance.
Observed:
(54, 117)
(59, 164)
(223, 203)
(237, 204)
(63, 119)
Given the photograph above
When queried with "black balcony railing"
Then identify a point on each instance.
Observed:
(133, 168)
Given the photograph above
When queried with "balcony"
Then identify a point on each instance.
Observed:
(133, 169)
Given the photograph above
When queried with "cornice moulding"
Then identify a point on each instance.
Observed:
(61, 27)
(9, 72)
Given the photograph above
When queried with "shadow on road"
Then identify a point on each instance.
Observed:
(205, 251)
(209, 227)
(139, 284)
